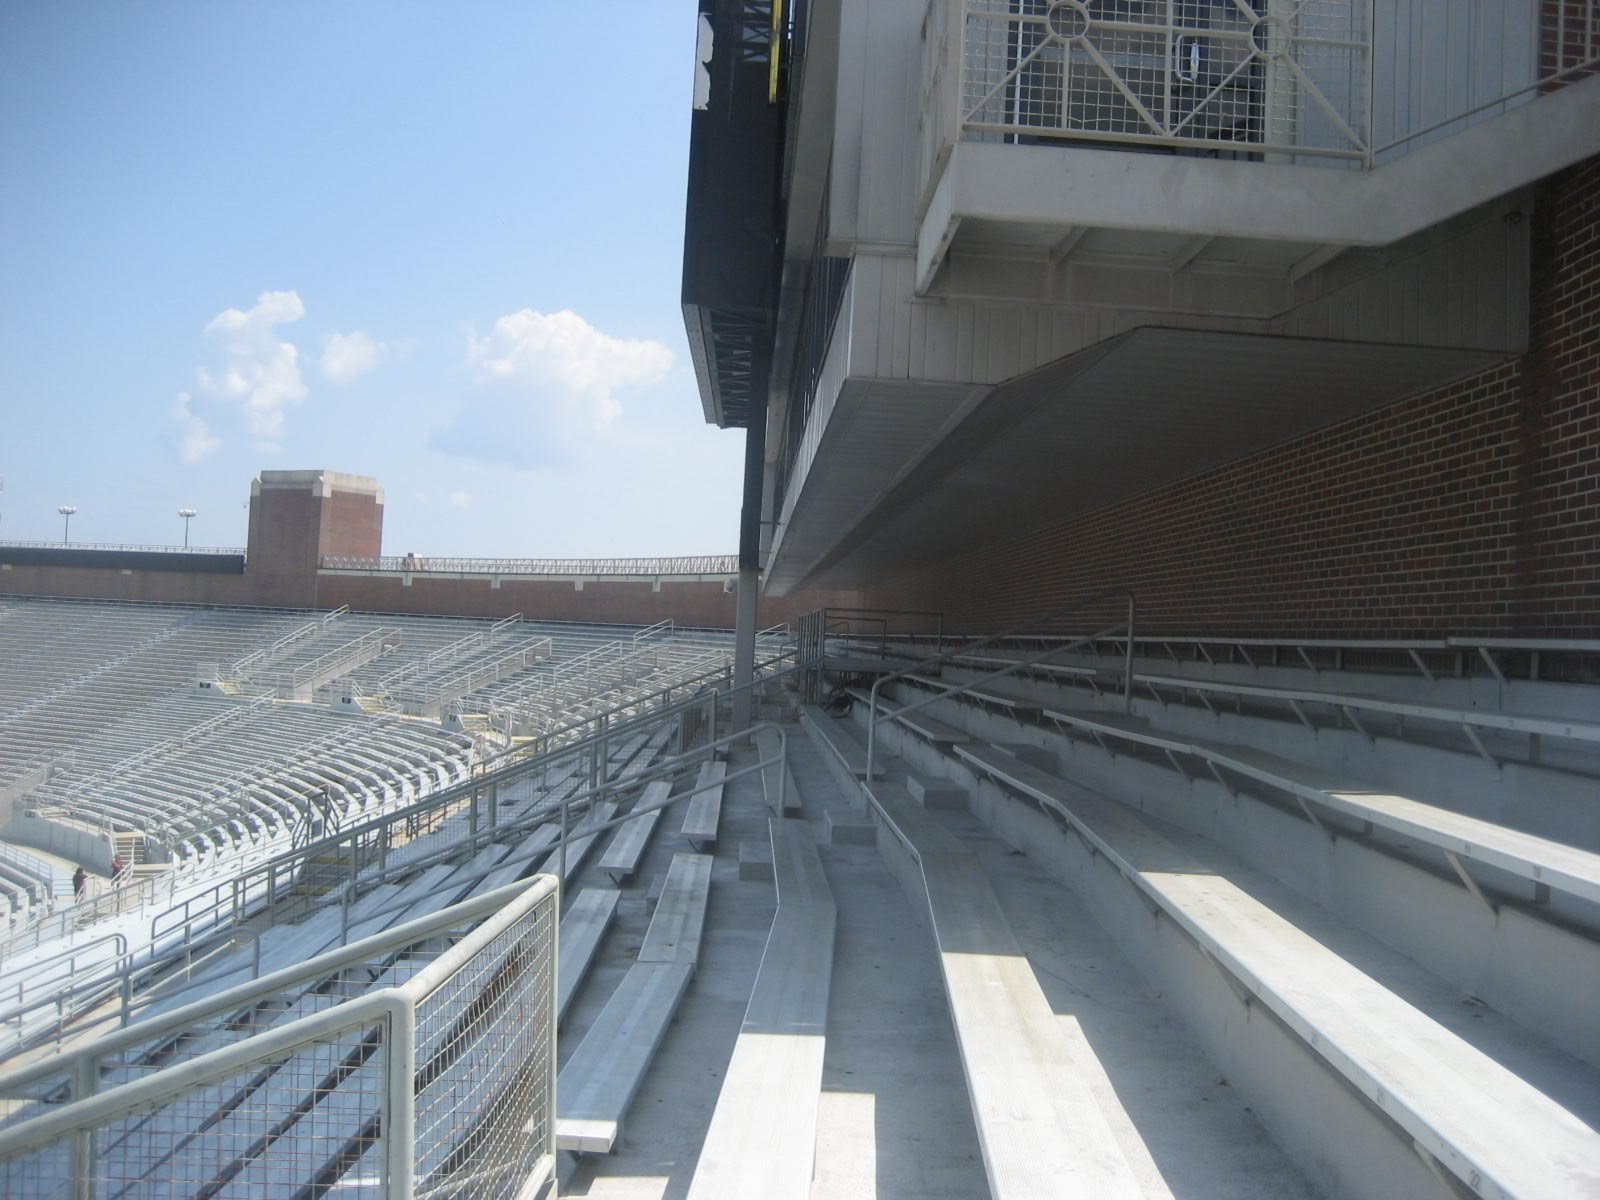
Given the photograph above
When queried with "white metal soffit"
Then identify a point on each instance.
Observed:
(1147, 408)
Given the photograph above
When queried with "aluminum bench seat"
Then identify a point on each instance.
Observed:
(621, 858)
(918, 722)
(705, 808)
(839, 738)
(580, 840)
(1040, 1128)
(1023, 708)
(583, 926)
(599, 1081)
(762, 1137)
(1470, 718)
(767, 745)
(1567, 869)
(1496, 1134)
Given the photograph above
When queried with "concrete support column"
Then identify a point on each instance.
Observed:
(744, 645)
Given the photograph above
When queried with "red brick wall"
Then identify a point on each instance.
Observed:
(1471, 509)
(704, 605)
(352, 524)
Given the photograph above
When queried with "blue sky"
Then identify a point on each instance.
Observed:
(436, 243)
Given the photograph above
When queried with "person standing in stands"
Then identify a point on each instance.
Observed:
(116, 869)
(80, 882)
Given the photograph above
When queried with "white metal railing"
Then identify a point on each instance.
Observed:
(440, 1084)
(439, 694)
(268, 654)
(124, 546)
(143, 890)
(1284, 76)
(705, 564)
(1052, 617)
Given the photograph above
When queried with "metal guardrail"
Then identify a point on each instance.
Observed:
(1044, 619)
(712, 564)
(133, 894)
(441, 1084)
(124, 546)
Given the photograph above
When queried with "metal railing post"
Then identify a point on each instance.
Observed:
(400, 1103)
(1127, 663)
(563, 871)
(85, 1080)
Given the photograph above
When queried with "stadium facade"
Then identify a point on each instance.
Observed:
(1283, 315)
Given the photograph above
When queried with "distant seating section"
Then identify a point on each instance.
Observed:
(170, 722)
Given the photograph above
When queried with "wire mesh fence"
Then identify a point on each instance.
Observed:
(1226, 78)
(415, 1067)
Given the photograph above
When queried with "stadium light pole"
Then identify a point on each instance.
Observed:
(66, 511)
(188, 514)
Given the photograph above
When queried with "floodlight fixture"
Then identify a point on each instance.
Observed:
(66, 511)
(188, 514)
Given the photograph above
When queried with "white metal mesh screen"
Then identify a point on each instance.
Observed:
(1276, 76)
(205, 1114)
(484, 1052)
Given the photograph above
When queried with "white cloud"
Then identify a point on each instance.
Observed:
(568, 360)
(459, 499)
(256, 370)
(348, 356)
(197, 440)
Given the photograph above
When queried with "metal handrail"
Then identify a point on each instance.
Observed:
(1054, 615)
(397, 1005)
(534, 818)
(127, 546)
(705, 564)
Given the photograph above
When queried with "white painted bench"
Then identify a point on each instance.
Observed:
(598, 1083)
(1547, 863)
(705, 808)
(621, 858)
(1496, 1134)
(762, 1137)
(1039, 1126)
(583, 926)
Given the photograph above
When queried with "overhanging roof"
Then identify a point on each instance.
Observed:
(1142, 410)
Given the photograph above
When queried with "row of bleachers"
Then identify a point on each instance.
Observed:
(217, 774)
(95, 664)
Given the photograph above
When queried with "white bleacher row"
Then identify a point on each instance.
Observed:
(250, 781)
(69, 669)
(162, 1146)
(141, 750)
(1484, 1111)
(608, 681)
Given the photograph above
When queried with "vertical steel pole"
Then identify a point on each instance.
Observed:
(1127, 663)
(400, 1103)
(86, 1080)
